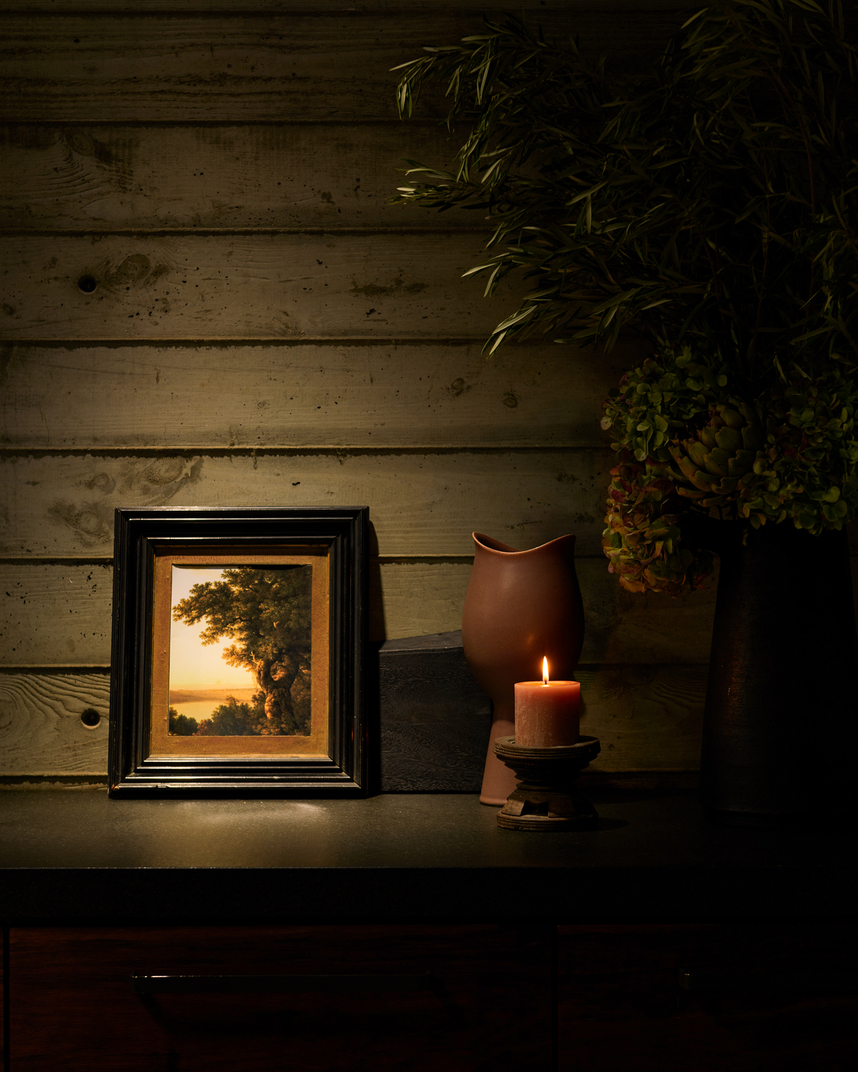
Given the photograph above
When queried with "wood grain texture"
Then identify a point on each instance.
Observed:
(247, 287)
(647, 718)
(273, 176)
(266, 329)
(61, 613)
(40, 728)
(55, 614)
(620, 628)
(74, 1007)
(620, 1004)
(420, 503)
(262, 66)
(336, 7)
(304, 395)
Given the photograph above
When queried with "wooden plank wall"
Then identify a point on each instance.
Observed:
(266, 329)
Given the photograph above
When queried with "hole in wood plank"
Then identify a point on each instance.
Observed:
(90, 718)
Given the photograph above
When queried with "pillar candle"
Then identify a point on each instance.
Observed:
(547, 713)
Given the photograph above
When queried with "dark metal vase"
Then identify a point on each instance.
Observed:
(781, 709)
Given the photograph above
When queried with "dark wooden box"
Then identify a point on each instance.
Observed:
(434, 718)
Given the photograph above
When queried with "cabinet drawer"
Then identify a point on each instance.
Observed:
(328, 997)
(749, 998)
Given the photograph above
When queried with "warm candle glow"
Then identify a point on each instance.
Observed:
(547, 712)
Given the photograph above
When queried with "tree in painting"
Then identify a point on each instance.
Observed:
(267, 613)
(235, 719)
(181, 725)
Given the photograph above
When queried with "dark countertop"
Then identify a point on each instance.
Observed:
(74, 856)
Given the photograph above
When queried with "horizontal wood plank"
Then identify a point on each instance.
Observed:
(40, 725)
(60, 613)
(111, 67)
(647, 718)
(331, 7)
(51, 614)
(420, 503)
(304, 395)
(281, 66)
(247, 287)
(121, 177)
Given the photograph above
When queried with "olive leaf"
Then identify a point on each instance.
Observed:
(710, 199)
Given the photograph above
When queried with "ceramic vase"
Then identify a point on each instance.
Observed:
(779, 724)
(519, 607)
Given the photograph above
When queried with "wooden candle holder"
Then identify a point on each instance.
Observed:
(545, 798)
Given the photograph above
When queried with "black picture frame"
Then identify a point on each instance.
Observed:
(148, 757)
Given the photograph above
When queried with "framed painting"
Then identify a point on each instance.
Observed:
(238, 652)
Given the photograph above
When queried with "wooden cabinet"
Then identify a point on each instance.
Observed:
(578, 998)
(749, 998)
(309, 998)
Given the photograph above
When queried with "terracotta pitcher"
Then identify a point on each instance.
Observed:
(519, 607)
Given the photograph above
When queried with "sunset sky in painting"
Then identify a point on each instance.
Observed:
(193, 666)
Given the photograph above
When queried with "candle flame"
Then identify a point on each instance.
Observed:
(544, 670)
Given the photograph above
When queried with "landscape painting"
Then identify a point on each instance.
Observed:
(240, 651)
